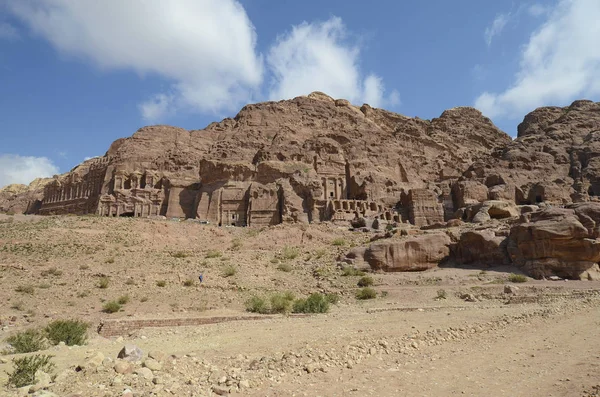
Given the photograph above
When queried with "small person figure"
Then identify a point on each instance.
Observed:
(201, 278)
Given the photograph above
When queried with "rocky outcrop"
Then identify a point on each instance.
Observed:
(23, 199)
(408, 254)
(557, 241)
(483, 248)
(308, 159)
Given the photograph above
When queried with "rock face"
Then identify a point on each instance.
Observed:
(303, 160)
(410, 254)
(557, 241)
(23, 199)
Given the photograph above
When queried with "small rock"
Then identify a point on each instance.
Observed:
(127, 393)
(312, 367)
(222, 379)
(43, 380)
(157, 380)
(131, 353)
(244, 384)
(117, 380)
(123, 367)
(157, 355)
(221, 391)
(468, 297)
(96, 361)
(145, 373)
(152, 364)
(510, 289)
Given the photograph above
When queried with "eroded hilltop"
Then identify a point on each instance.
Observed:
(316, 159)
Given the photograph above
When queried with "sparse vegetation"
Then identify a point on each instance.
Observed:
(71, 332)
(84, 267)
(188, 283)
(315, 303)
(111, 307)
(282, 303)
(236, 244)
(44, 286)
(123, 300)
(285, 267)
(366, 293)
(83, 294)
(517, 278)
(27, 341)
(229, 271)
(53, 271)
(338, 242)
(257, 304)
(103, 282)
(213, 254)
(365, 281)
(179, 254)
(161, 283)
(25, 369)
(441, 294)
(349, 271)
(110, 260)
(144, 299)
(320, 253)
(290, 253)
(25, 289)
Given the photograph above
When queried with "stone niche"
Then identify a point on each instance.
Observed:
(240, 204)
(133, 194)
(424, 208)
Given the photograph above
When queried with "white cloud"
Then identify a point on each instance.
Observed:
(8, 32)
(561, 62)
(205, 48)
(317, 57)
(537, 10)
(24, 169)
(496, 27)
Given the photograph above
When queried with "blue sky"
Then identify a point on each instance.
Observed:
(76, 75)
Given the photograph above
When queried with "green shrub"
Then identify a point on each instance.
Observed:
(161, 283)
(71, 332)
(281, 303)
(188, 283)
(123, 300)
(229, 271)
(103, 282)
(338, 242)
(441, 294)
(27, 341)
(285, 267)
(257, 304)
(289, 253)
(111, 307)
(320, 253)
(366, 293)
(349, 271)
(517, 278)
(25, 289)
(315, 303)
(365, 281)
(213, 254)
(179, 254)
(333, 298)
(26, 367)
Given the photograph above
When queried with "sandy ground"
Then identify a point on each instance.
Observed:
(404, 343)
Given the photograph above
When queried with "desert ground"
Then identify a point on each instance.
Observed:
(443, 332)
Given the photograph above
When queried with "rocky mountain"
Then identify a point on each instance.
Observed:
(316, 159)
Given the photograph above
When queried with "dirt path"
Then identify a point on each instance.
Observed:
(546, 357)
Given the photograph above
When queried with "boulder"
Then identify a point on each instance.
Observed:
(131, 353)
(555, 243)
(408, 254)
(480, 247)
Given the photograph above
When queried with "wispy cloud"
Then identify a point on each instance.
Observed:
(537, 10)
(496, 27)
(24, 169)
(320, 57)
(8, 31)
(559, 63)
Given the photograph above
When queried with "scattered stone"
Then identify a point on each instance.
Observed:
(131, 353)
(43, 380)
(157, 355)
(145, 373)
(96, 361)
(152, 364)
(123, 367)
(510, 289)
(221, 391)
